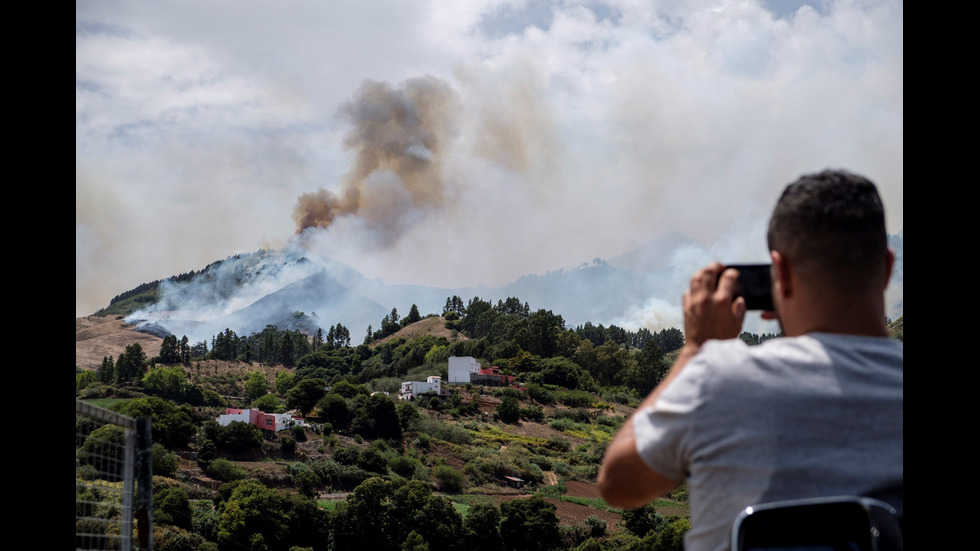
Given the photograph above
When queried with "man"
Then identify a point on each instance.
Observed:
(817, 412)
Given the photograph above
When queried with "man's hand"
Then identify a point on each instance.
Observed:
(625, 480)
(709, 311)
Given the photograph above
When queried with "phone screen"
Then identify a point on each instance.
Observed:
(755, 284)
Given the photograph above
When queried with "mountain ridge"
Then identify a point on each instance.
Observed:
(291, 289)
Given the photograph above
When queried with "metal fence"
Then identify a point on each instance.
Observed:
(113, 480)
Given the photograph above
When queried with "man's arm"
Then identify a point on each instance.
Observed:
(625, 480)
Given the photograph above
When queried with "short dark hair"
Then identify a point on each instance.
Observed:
(831, 227)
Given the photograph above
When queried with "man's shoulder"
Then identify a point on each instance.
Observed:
(803, 361)
(810, 343)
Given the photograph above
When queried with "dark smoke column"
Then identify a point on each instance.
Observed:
(399, 136)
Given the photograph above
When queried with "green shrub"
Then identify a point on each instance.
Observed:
(422, 441)
(443, 431)
(508, 392)
(597, 526)
(614, 421)
(562, 424)
(509, 410)
(575, 398)
(558, 443)
(475, 474)
(374, 461)
(240, 436)
(164, 462)
(347, 455)
(171, 506)
(403, 466)
(533, 413)
(539, 394)
(83, 379)
(448, 478)
(579, 415)
(299, 433)
(225, 471)
(267, 403)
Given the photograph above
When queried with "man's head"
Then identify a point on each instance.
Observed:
(829, 228)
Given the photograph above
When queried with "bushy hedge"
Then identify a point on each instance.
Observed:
(448, 478)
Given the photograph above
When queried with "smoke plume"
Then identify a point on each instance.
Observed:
(398, 137)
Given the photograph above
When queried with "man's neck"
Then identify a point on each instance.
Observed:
(850, 317)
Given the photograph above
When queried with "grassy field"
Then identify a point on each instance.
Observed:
(106, 402)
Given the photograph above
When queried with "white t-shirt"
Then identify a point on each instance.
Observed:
(809, 416)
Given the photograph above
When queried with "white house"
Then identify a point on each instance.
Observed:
(460, 369)
(411, 389)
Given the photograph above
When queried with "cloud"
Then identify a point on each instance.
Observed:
(577, 130)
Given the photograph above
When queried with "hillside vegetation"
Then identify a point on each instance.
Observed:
(367, 470)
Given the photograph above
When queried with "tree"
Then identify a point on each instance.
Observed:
(305, 394)
(540, 333)
(341, 336)
(172, 425)
(287, 350)
(375, 417)
(166, 382)
(225, 345)
(597, 526)
(455, 305)
(284, 381)
(613, 361)
(185, 350)
(131, 364)
(348, 390)
(669, 339)
(83, 379)
(414, 508)
(254, 515)
(171, 506)
(529, 524)
(363, 521)
(413, 316)
(414, 542)
(104, 447)
(267, 403)
(642, 520)
(669, 538)
(509, 410)
(650, 368)
(256, 385)
(307, 482)
(450, 479)
(107, 371)
(240, 436)
(408, 416)
(169, 351)
(562, 372)
(333, 407)
(482, 527)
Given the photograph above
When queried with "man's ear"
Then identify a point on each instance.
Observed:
(889, 264)
(782, 280)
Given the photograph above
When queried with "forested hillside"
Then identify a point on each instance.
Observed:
(373, 472)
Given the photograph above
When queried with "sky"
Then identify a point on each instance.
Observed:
(463, 143)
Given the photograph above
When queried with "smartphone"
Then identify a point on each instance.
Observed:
(754, 284)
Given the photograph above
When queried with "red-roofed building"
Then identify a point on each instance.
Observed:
(492, 376)
(274, 422)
